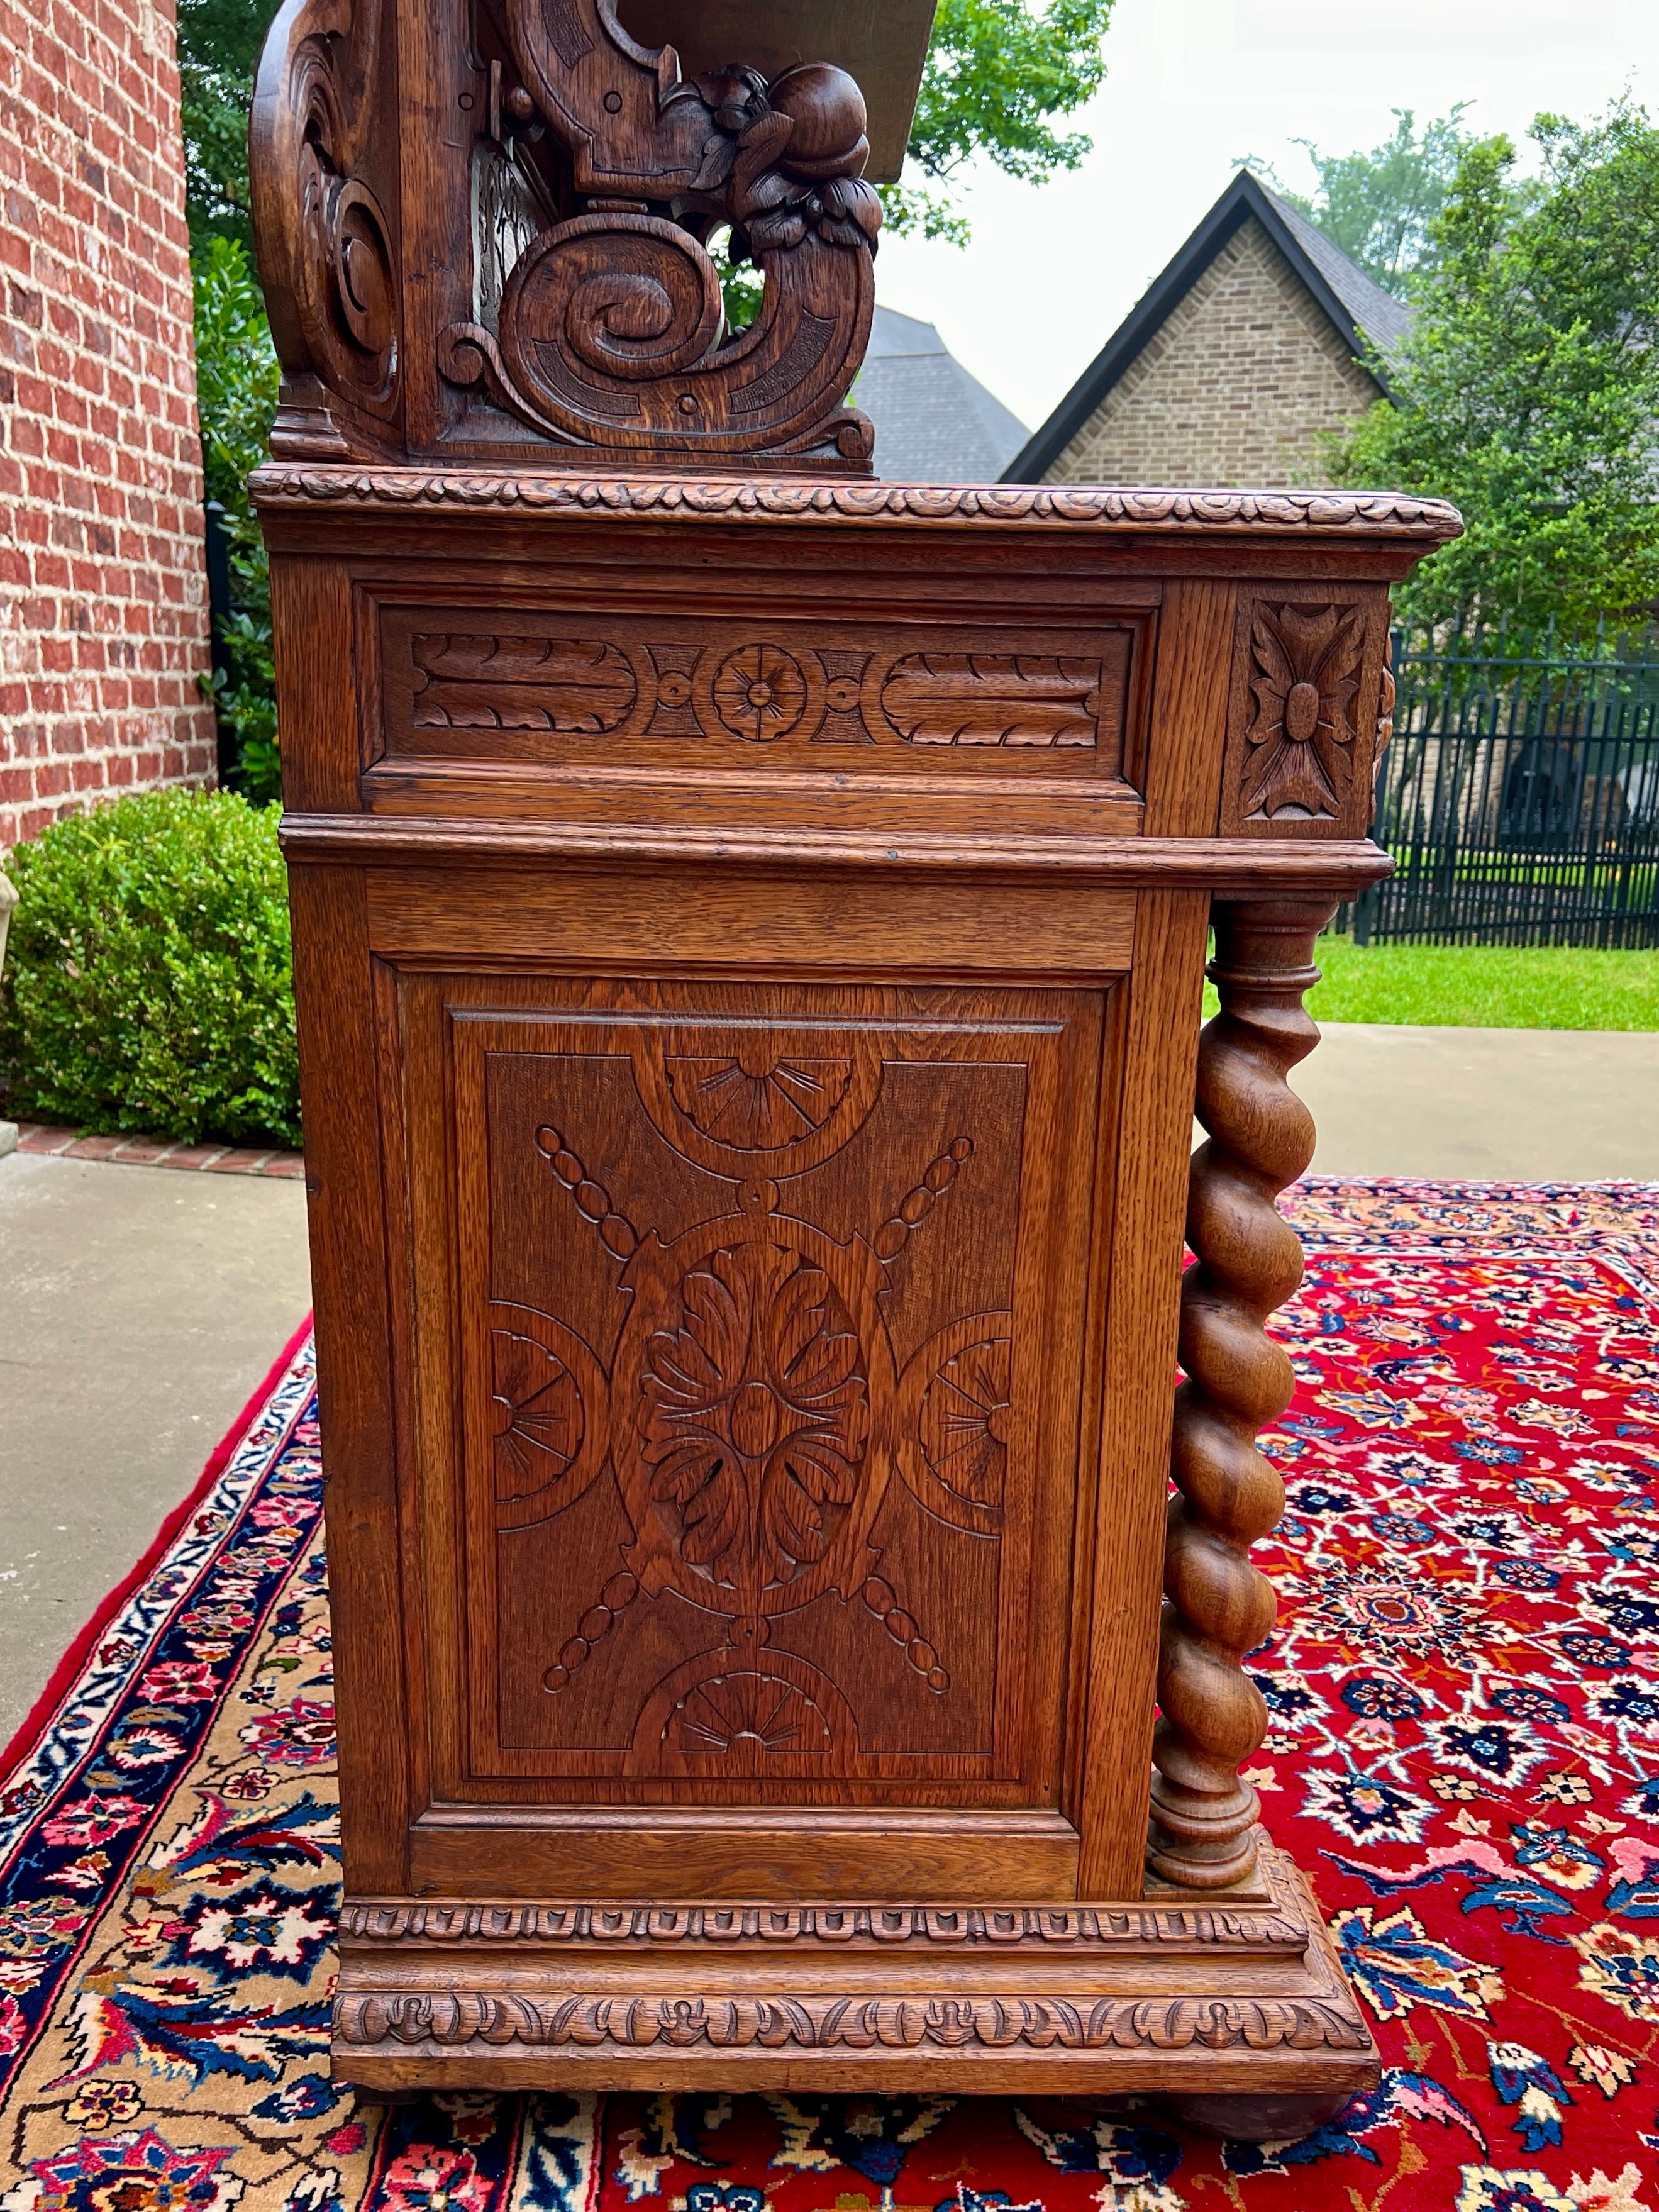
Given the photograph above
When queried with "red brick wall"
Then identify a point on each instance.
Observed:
(103, 597)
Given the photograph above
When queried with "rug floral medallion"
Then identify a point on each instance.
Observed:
(1464, 1686)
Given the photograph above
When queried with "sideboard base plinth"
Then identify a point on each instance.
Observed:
(1193, 2001)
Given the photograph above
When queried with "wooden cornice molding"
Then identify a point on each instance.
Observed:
(1339, 515)
(1041, 1927)
(1341, 867)
(1056, 1998)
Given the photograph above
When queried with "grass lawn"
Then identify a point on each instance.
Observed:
(1484, 986)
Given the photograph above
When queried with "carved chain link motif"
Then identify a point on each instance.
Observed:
(1218, 1606)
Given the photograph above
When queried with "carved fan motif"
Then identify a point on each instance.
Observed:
(956, 1422)
(745, 1716)
(760, 1104)
(764, 1711)
(755, 1416)
(963, 1421)
(1305, 671)
(539, 1413)
(547, 1415)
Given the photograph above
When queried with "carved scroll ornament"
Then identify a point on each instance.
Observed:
(328, 247)
(611, 329)
(596, 314)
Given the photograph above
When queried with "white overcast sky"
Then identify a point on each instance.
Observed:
(1053, 269)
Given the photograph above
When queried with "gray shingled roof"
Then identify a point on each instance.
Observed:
(1384, 320)
(934, 422)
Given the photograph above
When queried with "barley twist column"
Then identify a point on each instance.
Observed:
(1217, 1605)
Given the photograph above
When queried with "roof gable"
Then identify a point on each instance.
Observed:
(1361, 313)
(935, 422)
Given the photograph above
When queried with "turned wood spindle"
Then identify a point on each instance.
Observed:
(1218, 1606)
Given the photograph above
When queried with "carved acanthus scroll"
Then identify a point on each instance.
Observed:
(611, 327)
(328, 244)
(1217, 1605)
(593, 180)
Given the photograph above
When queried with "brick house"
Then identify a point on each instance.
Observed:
(1248, 346)
(103, 596)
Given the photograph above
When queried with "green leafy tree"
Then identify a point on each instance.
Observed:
(219, 43)
(1528, 388)
(236, 379)
(998, 73)
(1382, 207)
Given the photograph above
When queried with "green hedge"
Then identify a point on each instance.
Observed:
(148, 982)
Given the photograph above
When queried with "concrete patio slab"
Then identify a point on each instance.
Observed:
(1528, 1105)
(140, 1309)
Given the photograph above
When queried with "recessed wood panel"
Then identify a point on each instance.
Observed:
(768, 1310)
(553, 689)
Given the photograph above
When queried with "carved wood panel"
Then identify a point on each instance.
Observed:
(527, 688)
(768, 1401)
(1304, 710)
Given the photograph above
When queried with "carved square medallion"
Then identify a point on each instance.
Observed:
(1304, 710)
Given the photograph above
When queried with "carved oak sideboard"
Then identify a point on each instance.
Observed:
(749, 928)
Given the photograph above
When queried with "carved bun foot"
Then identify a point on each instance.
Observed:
(1253, 2119)
(1217, 1608)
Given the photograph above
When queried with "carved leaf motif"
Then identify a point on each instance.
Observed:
(961, 1426)
(760, 499)
(993, 699)
(759, 1109)
(1304, 673)
(571, 684)
(538, 1414)
(756, 1415)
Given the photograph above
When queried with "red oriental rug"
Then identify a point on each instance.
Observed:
(1465, 1756)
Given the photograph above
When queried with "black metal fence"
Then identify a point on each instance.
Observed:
(1520, 799)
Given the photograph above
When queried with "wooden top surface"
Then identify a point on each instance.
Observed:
(1348, 515)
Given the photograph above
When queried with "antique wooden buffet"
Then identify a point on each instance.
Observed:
(750, 925)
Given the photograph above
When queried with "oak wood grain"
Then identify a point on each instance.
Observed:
(1141, 1273)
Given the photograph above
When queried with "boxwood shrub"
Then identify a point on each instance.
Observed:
(148, 982)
